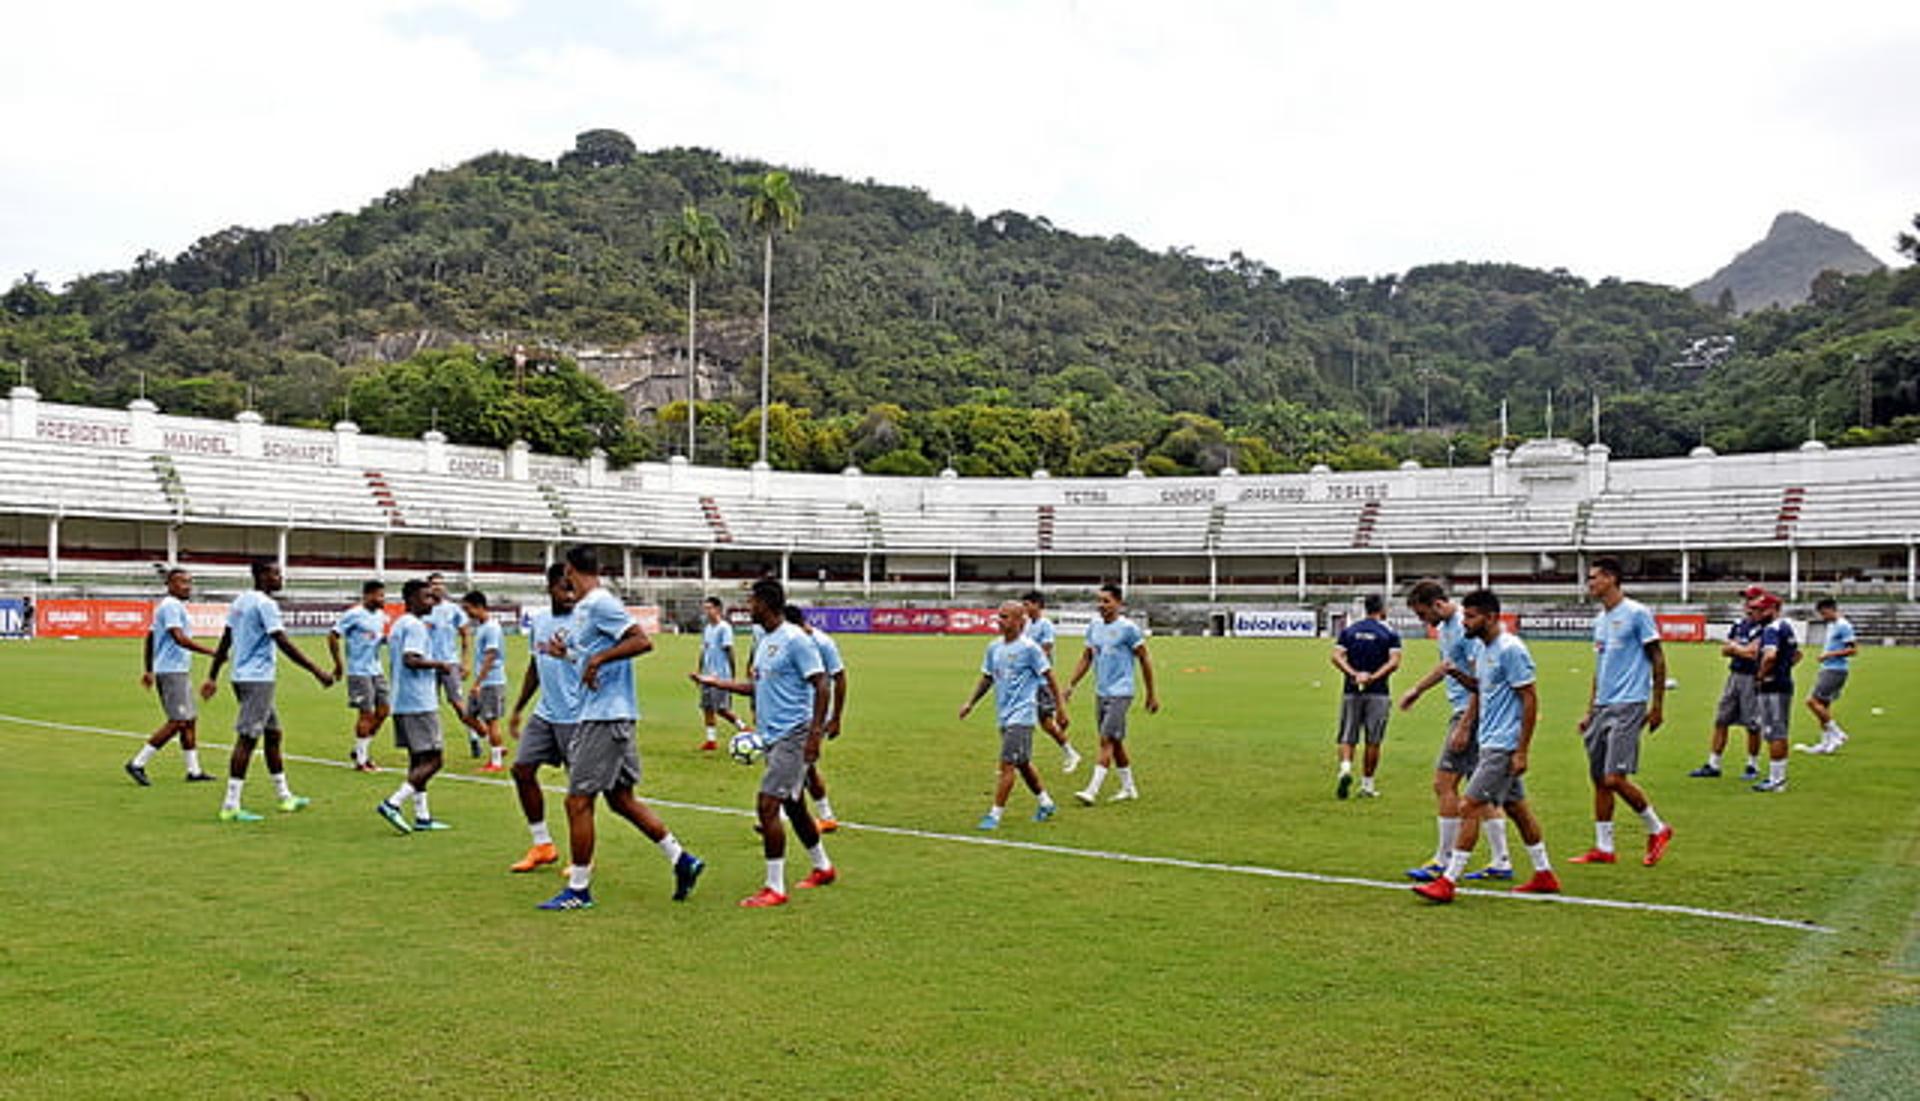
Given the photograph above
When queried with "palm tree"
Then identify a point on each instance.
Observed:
(698, 245)
(772, 205)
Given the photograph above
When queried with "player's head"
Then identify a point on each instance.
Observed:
(767, 601)
(1035, 602)
(1425, 599)
(179, 583)
(714, 608)
(373, 593)
(437, 583)
(583, 567)
(796, 615)
(266, 575)
(1109, 600)
(1828, 608)
(1013, 617)
(417, 595)
(1764, 607)
(1375, 604)
(475, 605)
(1603, 577)
(1480, 614)
(559, 593)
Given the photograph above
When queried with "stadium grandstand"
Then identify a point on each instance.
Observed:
(95, 499)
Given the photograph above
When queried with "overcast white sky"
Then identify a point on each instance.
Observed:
(1644, 140)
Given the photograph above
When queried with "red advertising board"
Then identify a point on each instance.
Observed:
(1682, 628)
(647, 616)
(93, 618)
(973, 621)
(909, 621)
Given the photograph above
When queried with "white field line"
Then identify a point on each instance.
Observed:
(1065, 850)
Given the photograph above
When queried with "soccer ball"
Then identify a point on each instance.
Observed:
(1672, 683)
(747, 747)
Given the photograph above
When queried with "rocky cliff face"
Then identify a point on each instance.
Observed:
(1781, 268)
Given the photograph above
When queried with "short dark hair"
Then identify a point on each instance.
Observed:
(556, 573)
(795, 614)
(583, 558)
(476, 598)
(1824, 603)
(1035, 596)
(373, 586)
(1426, 592)
(414, 587)
(1374, 603)
(1610, 565)
(1483, 600)
(260, 566)
(771, 593)
(175, 571)
(1110, 587)
(432, 577)
(714, 601)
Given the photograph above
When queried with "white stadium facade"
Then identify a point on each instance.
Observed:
(95, 501)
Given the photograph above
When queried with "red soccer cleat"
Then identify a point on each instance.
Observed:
(491, 767)
(764, 897)
(1439, 889)
(1595, 856)
(1657, 846)
(709, 747)
(827, 825)
(1542, 883)
(819, 877)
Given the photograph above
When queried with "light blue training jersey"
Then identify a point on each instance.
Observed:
(1839, 637)
(415, 691)
(361, 629)
(1459, 650)
(829, 651)
(559, 682)
(490, 636)
(1113, 645)
(254, 617)
(1041, 631)
(1502, 666)
(598, 623)
(1018, 669)
(783, 667)
(716, 649)
(169, 656)
(445, 620)
(1620, 637)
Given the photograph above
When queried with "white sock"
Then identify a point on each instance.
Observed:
(1753, 762)
(1713, 760)
(777, 876)
(1067, 751)
(1828, 728)
(1449, 829)
(1497, 842)
(1654, 825)
(1603, 836)
(1046, 800)
(670, 848)
(1456, 864)
(147, 753)
(818, 854)
(825, 807)
(1538, 855)
(280, 787)
(994, 812)
(539, 831)
(420, 807)
(499, 755)
(400, 797)
(579, 878)
(234, 787)
(1777, 771)
(1366, 783)
(193, 761)
(1126, 778)
(362, 748)
(1099, 777)
(1346, 768)
(711, 736)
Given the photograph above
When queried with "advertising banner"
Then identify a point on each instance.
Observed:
(841, 621)
(646, 615)
(1557, 625)
(13, 617)
(909, 621)
(973, 621)
(93, 618)
(1682, 628)
(1252, 623)
(206, 620)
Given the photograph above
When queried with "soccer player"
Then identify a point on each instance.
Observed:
(600, 644)
(1367, 652)
(1773, 688)
(167, 665)
(1052, 719)
(836, 669)
(1629, 669)
(417, 675)
(254, 631)
(1737, 703)
(487, 700)
(1113, 642)
(716, 659)
(449, 638)
(1016, 668)
(1504, 709)
(1835, 655)
(544, 741)
(1428, 599)
(790, 690)
(364, 626)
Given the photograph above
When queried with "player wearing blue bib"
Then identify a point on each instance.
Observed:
(487, 693)
(1836, 655)
(1114, 642)
(716, 659)
(1458, 650)
(1629, 693)
(168, 669)
(1367, 653)
(544, 740)
(837, 676)
(1052, 718)
(1737, 702)
(1773, 688)
(364, 627)
(1017, 670)
(791, 695)
(254, 632)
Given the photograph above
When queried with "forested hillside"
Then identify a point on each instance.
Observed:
(908, 334)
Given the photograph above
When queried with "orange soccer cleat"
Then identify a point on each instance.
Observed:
(536, 856)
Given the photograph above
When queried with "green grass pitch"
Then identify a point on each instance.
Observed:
(146, 950)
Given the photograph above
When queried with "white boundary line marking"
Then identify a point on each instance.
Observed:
(1064, 850)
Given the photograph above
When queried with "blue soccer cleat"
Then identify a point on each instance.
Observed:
(1042, 814)
(392, 814)
(235, 814)
(1491, 872)
(428, 825)
(569, 899)
(988, 822)
(1426, 873)
(686, 872)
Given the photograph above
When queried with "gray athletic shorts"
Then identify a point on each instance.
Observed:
(1737, 707)
(176, 696)
(419, 732)
(489, 701)
(367, 693)
(1364, 713)
(786, 767)
(1461, 763)
(602, 756)
(1016, 744)
(543, 743)
(257, 714)
(1043, 699)
(1493, 781)
(715, 699)
(1776, 713)
(1827, 686)
(1110, 715)
(450, 688)
(1613, 740)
